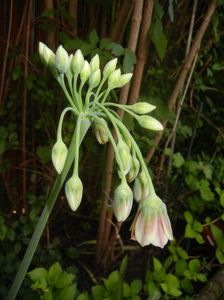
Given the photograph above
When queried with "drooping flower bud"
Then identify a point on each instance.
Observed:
(142, 108)
(125, 155)
(85, 72)
(61, 60)
(95, 63)
(59, 155)
(94, 79)
(114, 79)
(109, 67)
(141, 187)
(149, 123)
(135, 167)
(122, 203)
(73, 192)
(77, 62)
(100, 131)
(124, 79)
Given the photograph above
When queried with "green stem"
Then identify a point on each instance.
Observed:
(77, 144)
(44, 216)
(61, 81)
(59, 131)
(121, 106)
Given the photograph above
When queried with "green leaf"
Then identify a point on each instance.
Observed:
(48, 295)
(178, 160)
(54, 272)
(129, 60)
(116, 49)
(63, 280)
(181, 252)
(123, 266)
(126, 290)
(188, 217)
(157, 264)
(194, 265)
(136, 286)
(112, 281)
(37, 274)
(159, 38)
(98, 292)
(180, 266)
(218, 235)
(219, 255)
(44, 153)
(153, 291)
(187, 286)
(93, 38)
(68, 293)
(205, 190)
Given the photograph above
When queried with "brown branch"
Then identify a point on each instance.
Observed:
(73, 10)
(186, 67)
(141, 51)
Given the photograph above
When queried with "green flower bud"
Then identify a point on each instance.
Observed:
(149, 123)
(141, 187)
(46, 54)
(73, 192)
(77, 62)
(109, 67)
(61, 60)
(94, 79)
(85, 73)
(125, 155)
(95, 63)
(135, 167)
(59, 155)
(122, 203)
(141, 108)
(124, 79)
(114, 79)
(100, 131)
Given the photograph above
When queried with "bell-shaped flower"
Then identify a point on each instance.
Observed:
(77, 62)
(152, 224)
(95, 63)
(141, 187)
(109, 68)
(125, 155)
(61, 60)
(141, 108)
(74, 192)
(94, 79)
(59, 155)
(122, 203)
(149, 123)
(101, 130)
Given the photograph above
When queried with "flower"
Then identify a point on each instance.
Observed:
(61, 60)
(149, 123)
(59, 155)
(74, 192)
(152, 224)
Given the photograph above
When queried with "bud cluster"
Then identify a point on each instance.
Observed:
(87, 87)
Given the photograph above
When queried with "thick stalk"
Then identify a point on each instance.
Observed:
(45, 216)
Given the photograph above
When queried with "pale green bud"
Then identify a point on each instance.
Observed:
(142, 108)
(124, 79)
(125, 155)
(135, 167)
(46, 54)
(114, 79)
(149, 123)
(109, 67)
(74, 192)
(59, 155)
(141, 187)
(100, 131)
(77, 62)
(61, 60)
(95, 63)
(94, 79)
(85, 73)
(122, 203)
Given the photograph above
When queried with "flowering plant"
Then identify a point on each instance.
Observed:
(86, 89)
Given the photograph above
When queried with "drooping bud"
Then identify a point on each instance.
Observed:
(61, 60)
(100, 131)
(149, 123)
(114, 79)
(142, 108)
(122, 203)
(59, 155)
(77, 62)
(125, 155)
(109, 67)
(73, 192)
(94, 79)
(135, 167)
(124, 79)
(85, 72)
(95, 63)
(141, 187)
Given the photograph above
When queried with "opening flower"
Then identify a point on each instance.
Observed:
(152, 224)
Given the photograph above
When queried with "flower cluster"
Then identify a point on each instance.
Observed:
(87, 88)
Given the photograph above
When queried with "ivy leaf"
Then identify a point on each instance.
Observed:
(129, 60)
(159, 38)
(178, 160)
(205, 190)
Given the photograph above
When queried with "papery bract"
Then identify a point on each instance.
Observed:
(152, 224)
(100, 129)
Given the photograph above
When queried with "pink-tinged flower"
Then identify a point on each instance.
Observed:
(152, 224)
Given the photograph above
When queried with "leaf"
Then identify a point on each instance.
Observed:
(178, 160)
(93, 38)
(129, 60)
(64, 280)
(159, 38)
(187, 286)
(188, 217)
(157, 264)
(44, 153)
(98, 292)
(126, 290)
(218, 235)
(123, 266)
(68, 293)
(194, 265)
(153, 291)
(205, 190)
(116, 49)
(37, 274)
(180, 266)
(54, 272)
(219, 255)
